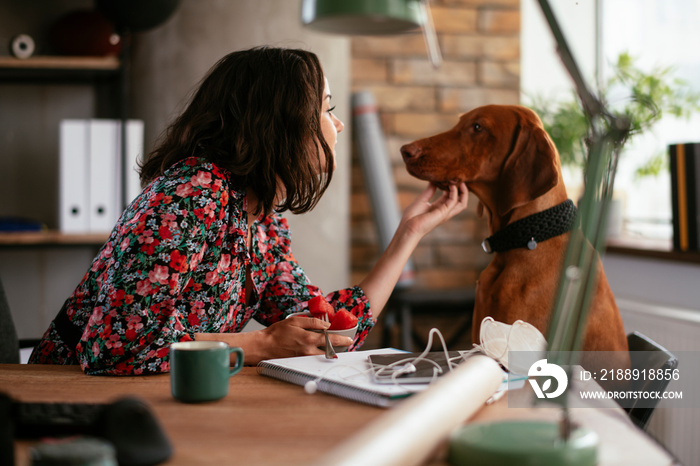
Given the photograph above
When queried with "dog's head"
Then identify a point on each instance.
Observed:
(501, 152)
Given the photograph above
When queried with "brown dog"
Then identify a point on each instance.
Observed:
(509, 162)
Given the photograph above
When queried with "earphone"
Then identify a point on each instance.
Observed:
(310, 387)
(397, 368)
(493, 334)
(406, 369)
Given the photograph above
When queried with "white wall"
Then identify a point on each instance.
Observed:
(651, 281)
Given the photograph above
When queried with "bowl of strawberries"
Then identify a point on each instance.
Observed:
(342, 322)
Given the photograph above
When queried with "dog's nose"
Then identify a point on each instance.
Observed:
(410, 151)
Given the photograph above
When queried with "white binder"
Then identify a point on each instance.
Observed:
(73, 176)
(103, 174)
(90, 173)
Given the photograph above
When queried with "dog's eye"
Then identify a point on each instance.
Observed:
(477, 127)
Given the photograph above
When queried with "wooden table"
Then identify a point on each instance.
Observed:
(264, 421)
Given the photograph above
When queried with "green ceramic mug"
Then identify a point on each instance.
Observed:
(199, 370)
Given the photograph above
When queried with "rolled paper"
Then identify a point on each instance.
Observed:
(408, 433)
(378, 174)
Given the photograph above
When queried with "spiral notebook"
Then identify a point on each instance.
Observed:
(349, 376)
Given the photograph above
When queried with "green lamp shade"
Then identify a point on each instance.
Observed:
(526, 443)
(362, 17)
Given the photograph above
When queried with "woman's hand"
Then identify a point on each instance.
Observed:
(287, 338)
(292, 337)
(418, 219)
(421, 216)
(283, 339)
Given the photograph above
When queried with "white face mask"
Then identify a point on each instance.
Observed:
(497, 338)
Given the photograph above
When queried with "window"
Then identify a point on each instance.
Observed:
(656, 33)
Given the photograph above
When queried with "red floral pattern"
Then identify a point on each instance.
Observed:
(173, 266)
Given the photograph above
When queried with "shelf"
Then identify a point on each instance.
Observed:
(104, 74)
(50, 238)
(52, 68)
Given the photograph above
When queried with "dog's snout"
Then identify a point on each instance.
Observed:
(410, 151)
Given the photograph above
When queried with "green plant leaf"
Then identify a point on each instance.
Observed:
(645, 98)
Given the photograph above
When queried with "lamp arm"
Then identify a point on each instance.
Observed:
(607, 134)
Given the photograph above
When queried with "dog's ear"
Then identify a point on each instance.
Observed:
(530, 170)
(480, 209)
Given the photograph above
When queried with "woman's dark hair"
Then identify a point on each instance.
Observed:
(257, 114)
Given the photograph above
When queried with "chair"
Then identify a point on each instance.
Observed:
(647, 354)
(10, 344)
(407, 299)
(408, 302)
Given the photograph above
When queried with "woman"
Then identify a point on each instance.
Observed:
(204, 249)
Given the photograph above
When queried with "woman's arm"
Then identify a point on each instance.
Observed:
(283, 288)
(290, 337)
(418, 219)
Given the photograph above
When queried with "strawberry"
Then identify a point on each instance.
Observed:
(343, 320)
(318, 306)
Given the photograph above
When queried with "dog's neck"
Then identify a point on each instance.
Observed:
(497, 222)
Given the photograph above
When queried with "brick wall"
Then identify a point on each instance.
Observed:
(480, 44)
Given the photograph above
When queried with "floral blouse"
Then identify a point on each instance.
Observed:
(175, 265)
